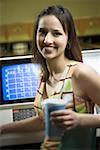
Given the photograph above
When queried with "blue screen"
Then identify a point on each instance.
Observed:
(20, 81)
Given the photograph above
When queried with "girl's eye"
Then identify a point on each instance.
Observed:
(57, 34)
(42, 32)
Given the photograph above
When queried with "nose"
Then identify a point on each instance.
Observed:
(48, 38)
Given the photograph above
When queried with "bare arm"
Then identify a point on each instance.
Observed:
(89, 120)
(26, 125)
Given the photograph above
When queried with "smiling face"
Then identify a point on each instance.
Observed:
(51, 39)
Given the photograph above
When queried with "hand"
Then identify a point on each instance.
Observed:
(50, 144)
(66, 119)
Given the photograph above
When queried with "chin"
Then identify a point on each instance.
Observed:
(49, 57)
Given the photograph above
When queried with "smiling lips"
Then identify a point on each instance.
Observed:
(49, 49)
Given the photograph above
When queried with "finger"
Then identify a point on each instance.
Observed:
(61, 112)
(63, 125)
(61, 118)
(58, 112)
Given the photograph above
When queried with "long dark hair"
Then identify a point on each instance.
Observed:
(72, 51)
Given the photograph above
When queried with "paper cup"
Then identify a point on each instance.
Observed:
(52, 131)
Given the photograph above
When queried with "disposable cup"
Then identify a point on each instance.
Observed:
(52, 131)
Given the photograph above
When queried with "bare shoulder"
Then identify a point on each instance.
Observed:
(83, 71)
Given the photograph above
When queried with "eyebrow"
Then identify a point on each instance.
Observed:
(41, 29)
(44, 29)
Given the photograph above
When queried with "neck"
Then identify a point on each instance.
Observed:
(57, 66)
(56, 70)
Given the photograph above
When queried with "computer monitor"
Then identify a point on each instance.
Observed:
(19, 79)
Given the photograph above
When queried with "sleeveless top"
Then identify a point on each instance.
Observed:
(71, 139)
